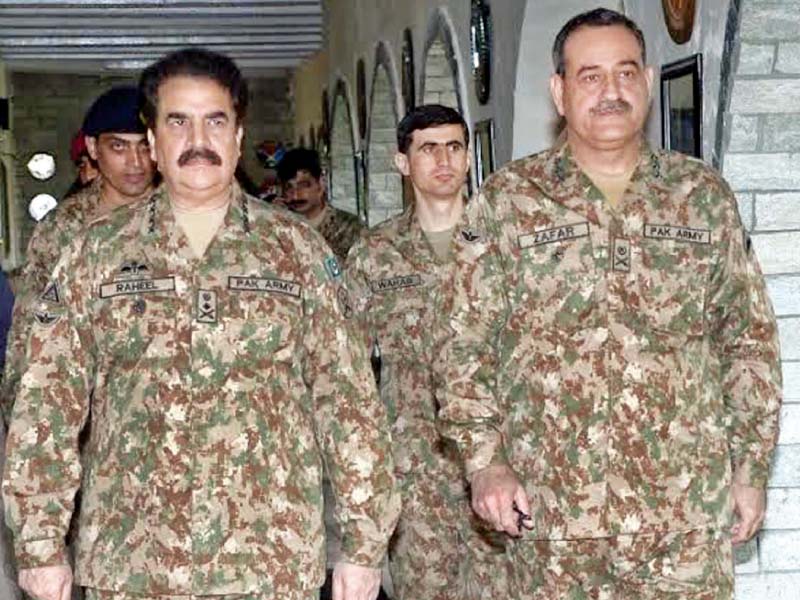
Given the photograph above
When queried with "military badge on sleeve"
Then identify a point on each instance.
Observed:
(332, 268)
(46, 318)
(52, 293)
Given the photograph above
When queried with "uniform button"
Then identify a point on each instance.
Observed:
(139, 306)
(558, 255)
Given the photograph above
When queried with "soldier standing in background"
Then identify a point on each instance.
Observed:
(115, 140)
(304, 192)
(210, 330)
(612, 362)
(395, 272)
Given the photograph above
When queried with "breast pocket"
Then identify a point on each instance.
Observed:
(137, 326)
(672, 283)
(558, 281)
(262, 327)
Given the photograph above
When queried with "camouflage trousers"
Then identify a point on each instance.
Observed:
(436, 554)
(95, 594)
(671, 566)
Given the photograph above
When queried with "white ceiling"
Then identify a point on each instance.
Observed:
(118, 36)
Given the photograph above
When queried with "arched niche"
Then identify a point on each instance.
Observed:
(344, 182)
(384, 183)
(440, 81)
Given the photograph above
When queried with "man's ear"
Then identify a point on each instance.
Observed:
(557, 92)
(151, 141)
(91, 146)
(401, 163)
(239, 138)
(649, 76)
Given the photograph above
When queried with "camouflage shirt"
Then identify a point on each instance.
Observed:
(394, 278)
(219, 387)
(340, 229)
(50, 237)
(619, 362)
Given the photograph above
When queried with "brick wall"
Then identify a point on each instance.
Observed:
(49, 108)
(762, 163)
(439, 86)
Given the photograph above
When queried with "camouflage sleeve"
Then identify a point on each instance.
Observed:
(745, 339)
(356, 280)
(42, 470)
(40, 258)
(351, 421)
(472, 314)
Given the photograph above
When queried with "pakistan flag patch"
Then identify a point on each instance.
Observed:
(332, 268)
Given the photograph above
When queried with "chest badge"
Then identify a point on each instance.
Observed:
(622, 255)
(133, 269)
(206, 306)
(470, 235)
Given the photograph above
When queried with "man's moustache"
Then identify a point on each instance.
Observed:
(204, 153)
(610, 107)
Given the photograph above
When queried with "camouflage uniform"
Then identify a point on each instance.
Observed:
(619, 362)
(394, 276)
(340, 229)
(50, 237)
(220, 386)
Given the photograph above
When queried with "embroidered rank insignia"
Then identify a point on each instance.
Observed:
(332, 268)
(677, 233)
(46, 318)
(622, 255)
(206, 306)
(395, 283)
(470, 236)
(51, 293)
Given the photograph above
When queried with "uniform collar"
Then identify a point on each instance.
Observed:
(411, 240)
(160, 227)
(562, 180)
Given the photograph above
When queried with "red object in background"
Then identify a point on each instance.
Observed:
(77, 147)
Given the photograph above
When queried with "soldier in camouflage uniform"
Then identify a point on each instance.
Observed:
(612, 366)
(394, 273)
(116, 140)
(304, 192)
(210, 328)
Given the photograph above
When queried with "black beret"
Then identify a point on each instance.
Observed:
(115, 111)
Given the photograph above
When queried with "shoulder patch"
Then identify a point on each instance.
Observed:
(52, 293)
(332, 267)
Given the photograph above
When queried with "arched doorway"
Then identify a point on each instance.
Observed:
(384, 183)
(343, 192)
